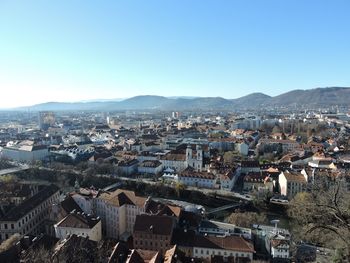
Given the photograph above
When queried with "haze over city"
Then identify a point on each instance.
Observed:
(83, 50)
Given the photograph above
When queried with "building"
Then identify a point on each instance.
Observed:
(153, 232)
(127, 167)
(26, 151)
(28, 217)
(228, 179)
(80, 224)
(46, 119)
(216, 228)
(275, 240)
(179, 160)
(292, 183)
(150, 167)
(190, 177)
(250, 166)
(207, 247)
(117, 210)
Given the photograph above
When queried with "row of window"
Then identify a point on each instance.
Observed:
(213, 252)
(151, 243)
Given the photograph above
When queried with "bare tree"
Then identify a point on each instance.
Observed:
(324, 213)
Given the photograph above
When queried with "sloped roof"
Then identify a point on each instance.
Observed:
(78, 220)
(122, 197)
(154, 224)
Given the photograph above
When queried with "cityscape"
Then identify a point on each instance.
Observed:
(129, 135)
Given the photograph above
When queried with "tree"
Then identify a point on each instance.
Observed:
(323, 216)
(276, 129)
(247, 219)
(38, 255)
(179, 187)
(8, 243)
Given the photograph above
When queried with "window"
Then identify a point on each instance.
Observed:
(6, 227)
(12, 226)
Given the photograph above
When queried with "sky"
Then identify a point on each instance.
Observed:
(72, 50)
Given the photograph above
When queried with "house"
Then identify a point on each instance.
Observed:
(150, 167)
(28, 217)
(80, 224)
(206, 247)
(26, 151)
(257, 182)
(179, 160)
(322, 163)
(250, 166)
(275, 240)
(153, 232)
(242, 148)
(190, 177)
(227, 180)
(117, 210)
(292, 183)
(127, 167)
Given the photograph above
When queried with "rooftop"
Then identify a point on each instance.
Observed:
(157, 225)
(78, 220)
(24, 208)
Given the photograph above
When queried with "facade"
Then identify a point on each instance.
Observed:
(180, 161)
(117, 210)
(28, 217)
(250, 167)
(228, 180)
(189, 177)
(275, 240)
(242, 148)
(79, 224)
(292, 183)
(206, 247)
(26, 151)
(127, 167)
(153, 232)
(150, 167)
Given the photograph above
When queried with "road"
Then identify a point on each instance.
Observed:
(14, 169)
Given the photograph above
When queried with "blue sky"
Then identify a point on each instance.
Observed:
(76, 50)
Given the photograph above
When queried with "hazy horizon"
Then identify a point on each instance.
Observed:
(83, 50)
(140, 95)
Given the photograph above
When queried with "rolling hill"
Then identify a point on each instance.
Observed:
(315, 97)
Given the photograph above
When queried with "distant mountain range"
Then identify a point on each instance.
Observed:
(312, 97)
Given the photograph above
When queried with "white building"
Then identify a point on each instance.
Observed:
(206, 247)
(228, 179)
(276, 241)
(28, 217)
(117, 210)
(190, 177)
(292, 183)
(242, 148)
(180, 161)
(216, 228)
(80, 224)
(150, 167)
(25, 151)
